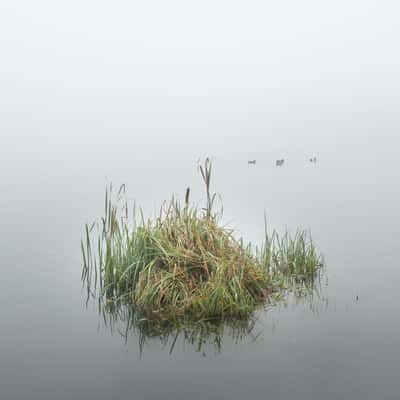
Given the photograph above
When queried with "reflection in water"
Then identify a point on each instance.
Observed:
(204, 335)
(308, 293)
(128, 322)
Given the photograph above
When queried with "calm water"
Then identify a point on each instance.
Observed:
(345, 345)
(134, 92)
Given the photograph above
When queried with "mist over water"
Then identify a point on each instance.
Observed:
(136, 92)
(214, 77)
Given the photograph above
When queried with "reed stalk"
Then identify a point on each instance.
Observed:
(182, 264)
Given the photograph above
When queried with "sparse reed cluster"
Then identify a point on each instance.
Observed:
(183, 264)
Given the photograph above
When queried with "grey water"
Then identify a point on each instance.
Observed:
(136, 92)
(344, 343)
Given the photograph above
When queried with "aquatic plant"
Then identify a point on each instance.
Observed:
(184, 265)
(203, 335)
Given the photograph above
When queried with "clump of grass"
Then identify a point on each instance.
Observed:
(183, 264)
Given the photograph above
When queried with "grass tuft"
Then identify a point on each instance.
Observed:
(183, 264)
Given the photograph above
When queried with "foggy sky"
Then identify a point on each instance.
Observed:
(220, 76)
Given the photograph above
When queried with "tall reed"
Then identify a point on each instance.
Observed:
(182, 264)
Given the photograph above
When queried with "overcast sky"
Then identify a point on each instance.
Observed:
(220, 76)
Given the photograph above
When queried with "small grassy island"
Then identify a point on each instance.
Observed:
(183, 264)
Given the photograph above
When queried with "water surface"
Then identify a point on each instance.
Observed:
(344, 344)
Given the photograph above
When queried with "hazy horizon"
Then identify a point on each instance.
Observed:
(218, 77)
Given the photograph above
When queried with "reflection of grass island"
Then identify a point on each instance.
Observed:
(183, 265)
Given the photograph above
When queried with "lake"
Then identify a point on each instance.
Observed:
(343, 343)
